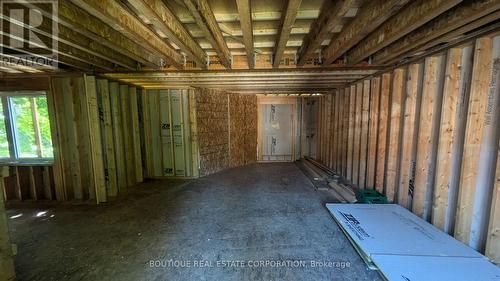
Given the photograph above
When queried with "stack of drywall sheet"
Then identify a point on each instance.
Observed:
(405, 247)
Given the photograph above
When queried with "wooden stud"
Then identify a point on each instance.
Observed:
(414, 86)
(6, 255)
(352, 129)
(493, 239)
(115, 104)
(453, 114)
(107, 132)
(373, 132)
(136, 137)
(365, 115)
(55, 121)
(127, 134)
(357, 134)
(383, 131)
(154, 107)
(487, 157)
(428, 136)
(346, 133)
(95, 139)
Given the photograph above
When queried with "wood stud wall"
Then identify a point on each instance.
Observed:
(91, 157)
(427, 136)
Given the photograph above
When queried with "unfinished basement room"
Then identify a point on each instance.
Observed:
(250, 140)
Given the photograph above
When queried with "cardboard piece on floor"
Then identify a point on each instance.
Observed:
(428, 268)
(393, 230)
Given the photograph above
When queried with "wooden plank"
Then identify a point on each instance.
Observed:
(107, 133)
(207, 22)
(168, 164)
(194, 134)
(333, 130)
(488, 153)
(351, 136)
(286, 23)
(473, 137)
(165, 21)
(115, 104)
(455, 97)
(6, 255)
(428, 136)
(57, 165)
(357, 134)
(371, 16)
(456, 17)
(154, 107)
(373, 132)
(414, 86)
(416, 14)
(48, 183)
(146, 134)
(383, 125)
(127, 134)
(113, 14)
(84, 149)
(76, 19)
(136, 137)
(95, 140)
(395, 134)
(345, 134)
(493, 239)
(332, 15)
(365, 115)
(244, 11)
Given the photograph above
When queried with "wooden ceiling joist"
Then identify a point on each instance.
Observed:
(286, 24)
(370, 16)
(332, 15)
(410, 18)
(205, 19)
(455, 18)
(112, 13)
(79, 21)
(244, 11)
(162, 18)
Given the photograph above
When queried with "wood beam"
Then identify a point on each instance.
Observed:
(79, 21)
(371, 16)
(410, 18)
(454, 18)
(113, 14)
(244, 10)
(205, 19)
(332, 14)
(164, 20)
(286, 24)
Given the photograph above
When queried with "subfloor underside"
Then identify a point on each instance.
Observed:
(233, 225)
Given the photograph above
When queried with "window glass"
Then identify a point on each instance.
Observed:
(44, 125)
(4, 144)
(24, 129)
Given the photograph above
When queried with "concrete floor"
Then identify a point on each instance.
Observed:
(253, 214)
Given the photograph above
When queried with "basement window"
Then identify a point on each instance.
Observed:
(25, 128)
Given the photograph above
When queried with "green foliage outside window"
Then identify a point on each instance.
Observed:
(30, 128)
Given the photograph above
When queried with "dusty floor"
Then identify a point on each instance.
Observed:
(252, 216)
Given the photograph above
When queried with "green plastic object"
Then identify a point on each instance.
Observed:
(370, 196)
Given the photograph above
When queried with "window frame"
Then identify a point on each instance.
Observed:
(9, 120)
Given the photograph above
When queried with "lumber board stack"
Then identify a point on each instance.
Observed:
(431, 139)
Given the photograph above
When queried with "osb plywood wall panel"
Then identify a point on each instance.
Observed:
(213, 131)
(243, 129)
